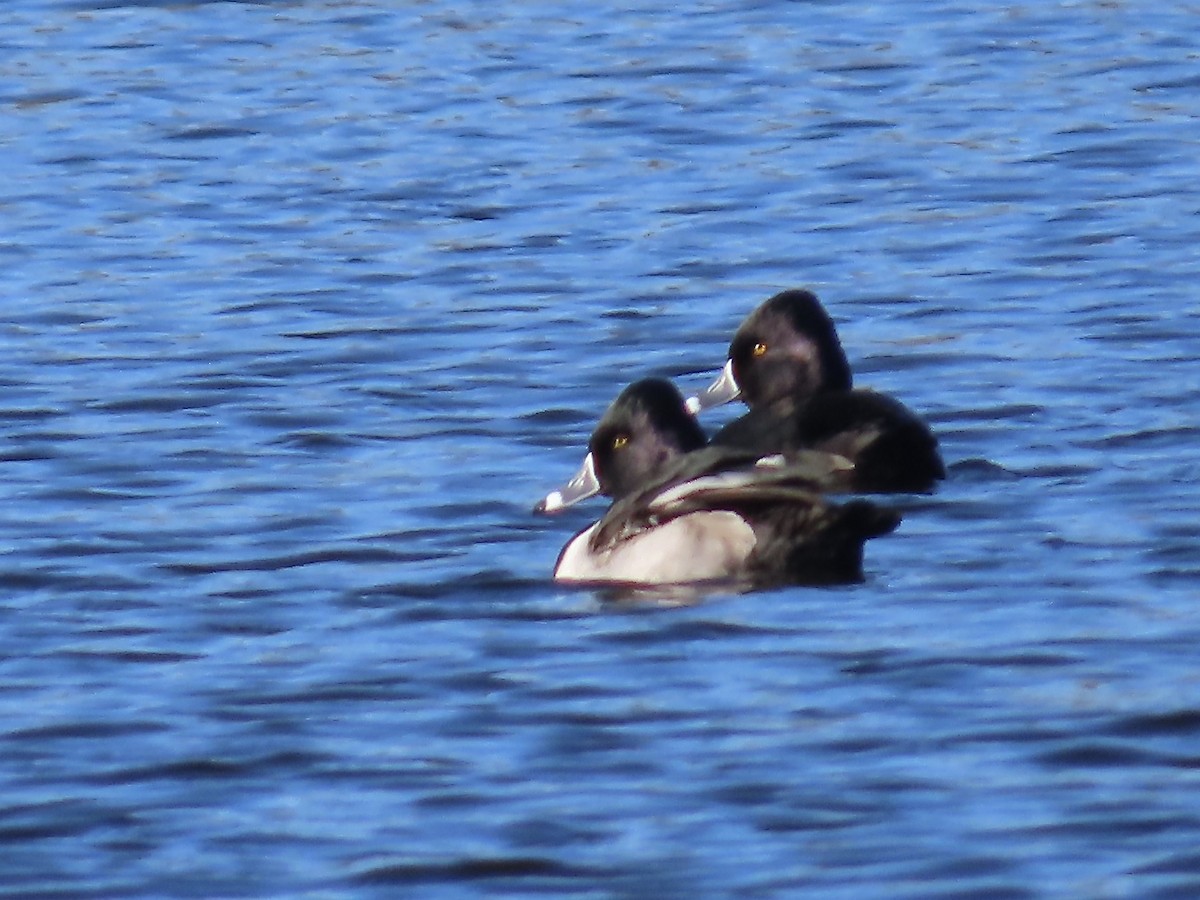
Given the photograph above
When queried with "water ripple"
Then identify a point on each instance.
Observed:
(308, 302)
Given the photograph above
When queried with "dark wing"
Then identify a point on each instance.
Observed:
(891, 447)
(718, 479)
(801, 538)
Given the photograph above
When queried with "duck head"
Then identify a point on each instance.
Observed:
(787, 348)
(646, 427)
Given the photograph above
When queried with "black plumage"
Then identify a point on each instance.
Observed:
(790, 369)
(768, 521)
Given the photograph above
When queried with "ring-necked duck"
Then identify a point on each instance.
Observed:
(788, 366)
(684, 512)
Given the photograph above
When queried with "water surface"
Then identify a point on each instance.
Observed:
(305, 304)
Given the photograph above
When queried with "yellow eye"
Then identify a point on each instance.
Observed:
(759, 349)
(620, 441)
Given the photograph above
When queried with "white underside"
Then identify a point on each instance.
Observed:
(700, 546)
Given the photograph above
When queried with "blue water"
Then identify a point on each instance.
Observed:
(306, 303)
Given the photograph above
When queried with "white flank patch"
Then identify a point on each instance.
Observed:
(774, 461)
(697, 547)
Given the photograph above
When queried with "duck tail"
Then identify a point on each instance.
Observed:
(861, 520)
(835, 553)
(905, 458)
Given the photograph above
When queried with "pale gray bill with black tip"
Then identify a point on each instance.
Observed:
(585, 484)
(724, 390)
